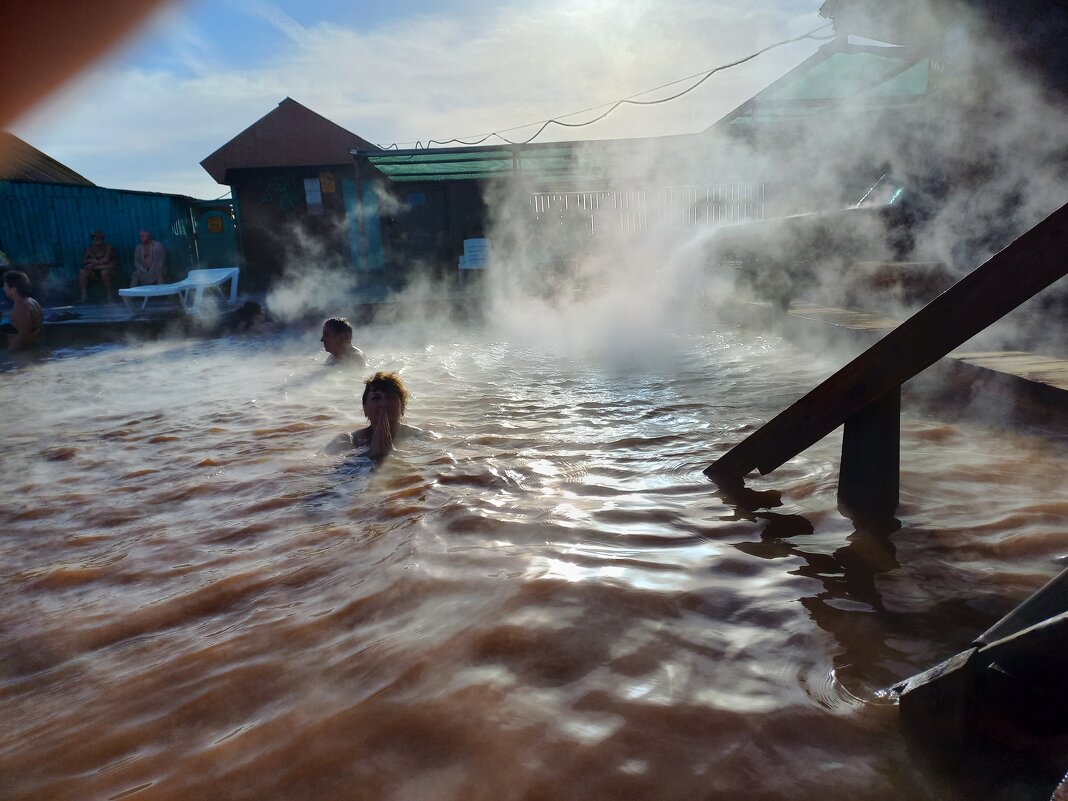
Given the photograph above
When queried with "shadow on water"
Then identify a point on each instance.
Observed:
(851, 608)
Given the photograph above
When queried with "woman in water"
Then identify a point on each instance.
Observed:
(384, 402)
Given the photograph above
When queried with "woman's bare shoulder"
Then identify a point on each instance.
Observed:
(341, 443)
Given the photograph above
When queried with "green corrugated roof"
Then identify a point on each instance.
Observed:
(840, 77)
(849, 76)
(445, 165)
(592, 160)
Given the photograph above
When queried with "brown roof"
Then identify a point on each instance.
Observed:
(22, 162)
(290, 136)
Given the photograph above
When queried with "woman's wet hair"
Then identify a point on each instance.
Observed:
(18, 281)
(389, 383)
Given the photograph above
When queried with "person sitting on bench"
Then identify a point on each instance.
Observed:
(150, 262)
(98, 264)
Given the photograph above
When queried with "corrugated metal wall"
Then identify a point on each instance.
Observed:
(50, 224)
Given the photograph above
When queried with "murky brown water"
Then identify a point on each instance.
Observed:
(547, 601)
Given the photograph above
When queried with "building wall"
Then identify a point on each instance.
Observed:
(49, 224)
(407, 229)
(423, 230)
(283, 229)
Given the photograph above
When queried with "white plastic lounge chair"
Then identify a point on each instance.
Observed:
(190, 289)
(476, 254)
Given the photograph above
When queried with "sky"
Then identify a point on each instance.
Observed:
(404, 71)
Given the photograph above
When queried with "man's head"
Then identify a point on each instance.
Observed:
(337, 337)
(146, 237)
(18, 283)
(97, 237)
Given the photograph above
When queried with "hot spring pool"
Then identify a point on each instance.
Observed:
(545, 601)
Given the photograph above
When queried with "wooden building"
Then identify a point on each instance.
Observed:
(293, 186)
(47, 212)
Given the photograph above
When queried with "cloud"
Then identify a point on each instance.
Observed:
(276, 18)
(455, 73)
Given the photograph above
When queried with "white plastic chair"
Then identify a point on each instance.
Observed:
(190, 289)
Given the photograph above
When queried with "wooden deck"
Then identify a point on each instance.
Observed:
(109, 313)
(852, 319)
(1037, 382)
(88, 323)
(1047, 369)
(1035, 367)
(115, 315)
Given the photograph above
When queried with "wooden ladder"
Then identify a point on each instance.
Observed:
(865, 395)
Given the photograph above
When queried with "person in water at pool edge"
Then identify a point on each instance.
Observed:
(25, 321)
(337, 341)
(385, 400)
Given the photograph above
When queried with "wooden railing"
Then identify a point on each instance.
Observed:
(621, 211)
(865, 394)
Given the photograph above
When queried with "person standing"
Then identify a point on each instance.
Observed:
(150, 262)
(98, 263)
(26, 317)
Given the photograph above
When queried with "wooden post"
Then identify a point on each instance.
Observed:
(868, 478)
(364, 258)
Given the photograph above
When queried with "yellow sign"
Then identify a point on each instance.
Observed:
(215, 224)
(326, 182)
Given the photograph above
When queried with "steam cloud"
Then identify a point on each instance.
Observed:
(589, 272)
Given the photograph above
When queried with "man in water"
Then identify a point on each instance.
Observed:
(337, 341)
(24, 327)
(98, 263)
(150, 262)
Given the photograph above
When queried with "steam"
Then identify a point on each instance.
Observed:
(614, 266)
(981, 167)
(571, 278)
(315, 280)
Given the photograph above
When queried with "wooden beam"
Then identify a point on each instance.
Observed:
(990, 691)
(1051, 600)
(363, 257)
(988, 293)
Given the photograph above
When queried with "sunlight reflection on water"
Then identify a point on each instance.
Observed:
(545, 597)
